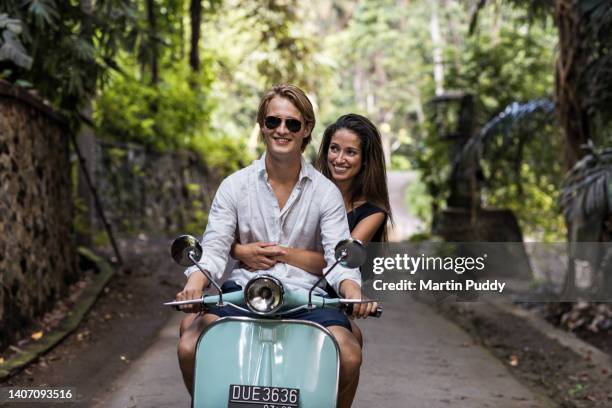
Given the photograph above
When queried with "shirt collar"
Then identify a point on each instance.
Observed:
(306, 171)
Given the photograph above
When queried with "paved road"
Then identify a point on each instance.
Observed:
(413, 357)
(154, 380)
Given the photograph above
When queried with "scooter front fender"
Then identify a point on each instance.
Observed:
(263, 352)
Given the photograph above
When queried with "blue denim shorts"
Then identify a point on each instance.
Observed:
(322, 316)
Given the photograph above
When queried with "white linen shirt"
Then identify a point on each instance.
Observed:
(313, 218)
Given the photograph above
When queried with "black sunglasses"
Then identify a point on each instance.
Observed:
(272, 122)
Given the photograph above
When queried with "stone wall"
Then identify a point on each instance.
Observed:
(144, 191)
(141, 191)
(37, 253)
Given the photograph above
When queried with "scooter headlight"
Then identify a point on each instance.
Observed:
(264, 295)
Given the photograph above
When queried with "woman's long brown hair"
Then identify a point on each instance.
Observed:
(370, 183)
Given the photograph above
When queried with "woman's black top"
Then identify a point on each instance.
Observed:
(354, 217)
(363, 211)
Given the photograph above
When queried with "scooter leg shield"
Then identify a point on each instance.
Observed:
(266, 353)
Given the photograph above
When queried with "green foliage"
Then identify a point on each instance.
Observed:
(381, 65)
(534, 200)
(79, 223)
(101, 239)
(256, 44)
(69, 47)
(577, 390)
(198, 220)
(418, 200)
(517, 64)
(367, 56)
(509, 58)
(164, 116)
(432, 158)
(171, 115)
(518, 151)
(513, 63)
(224, 153)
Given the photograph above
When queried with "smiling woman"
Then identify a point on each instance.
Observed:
(351, 155)
(344, 156)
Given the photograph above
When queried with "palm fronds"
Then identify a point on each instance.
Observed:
(536, 8)
(515, 124)
(514, 116)
(61, 48)
(11, 48)
(587, 188)
(44, 12)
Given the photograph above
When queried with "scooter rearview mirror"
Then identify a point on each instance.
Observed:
(349, 253)
(352, 251)
(187, 251)
(182, 247)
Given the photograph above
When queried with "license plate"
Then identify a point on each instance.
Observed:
(253, 396)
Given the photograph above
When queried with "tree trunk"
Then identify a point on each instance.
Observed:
(437, 49)
(152, 20)
(568, 79)
(87, 26)
(195, 12)
(86, 144)
(182, 36)
(383, 116)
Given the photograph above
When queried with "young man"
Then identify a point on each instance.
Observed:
(278, 199)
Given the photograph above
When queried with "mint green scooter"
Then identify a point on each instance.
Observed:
(267, 362)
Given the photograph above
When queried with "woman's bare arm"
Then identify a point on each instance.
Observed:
(366, 228)
(314, 262)
(263, 255)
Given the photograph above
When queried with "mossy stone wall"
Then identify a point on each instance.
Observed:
(37, 252)
(150, 192)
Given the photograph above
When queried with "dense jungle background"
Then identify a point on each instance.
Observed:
(188, 74)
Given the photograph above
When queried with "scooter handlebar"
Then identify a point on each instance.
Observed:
(293, 299)
(376, 313)
(349, 310)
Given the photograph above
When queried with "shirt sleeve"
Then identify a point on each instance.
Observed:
(334, 228)
(219, 234)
